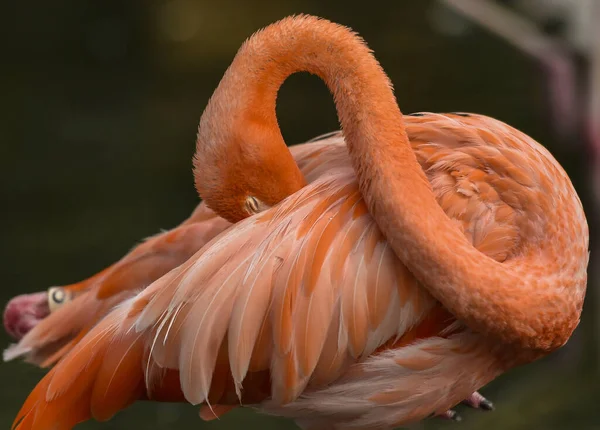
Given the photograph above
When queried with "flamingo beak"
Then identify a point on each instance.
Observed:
(24, 312)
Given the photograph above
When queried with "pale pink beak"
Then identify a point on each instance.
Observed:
(24, 312)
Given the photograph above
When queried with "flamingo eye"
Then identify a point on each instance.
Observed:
(57, 297)
(252, 205)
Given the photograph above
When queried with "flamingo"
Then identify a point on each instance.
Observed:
(417, 259)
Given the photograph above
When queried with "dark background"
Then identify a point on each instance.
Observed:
(99, 107)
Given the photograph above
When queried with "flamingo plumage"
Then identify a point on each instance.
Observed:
(405, 264)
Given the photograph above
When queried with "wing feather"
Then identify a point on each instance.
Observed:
(310, 273)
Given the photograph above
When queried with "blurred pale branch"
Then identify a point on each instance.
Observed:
(507, 24)
(553, 53)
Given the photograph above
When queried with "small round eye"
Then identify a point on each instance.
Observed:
(57, 297)
(252, 205)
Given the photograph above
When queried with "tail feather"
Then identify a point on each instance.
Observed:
(40, 414)
(55, 356)
(119, 381)
(209, 413)
(102, 375)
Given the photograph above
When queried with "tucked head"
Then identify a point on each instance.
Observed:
(244, 169)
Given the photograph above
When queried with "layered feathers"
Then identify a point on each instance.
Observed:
(304, 308)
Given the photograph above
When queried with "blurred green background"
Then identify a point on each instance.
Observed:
(100, 103)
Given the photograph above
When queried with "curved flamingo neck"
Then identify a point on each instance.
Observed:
(240, 119)
(526, 302)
